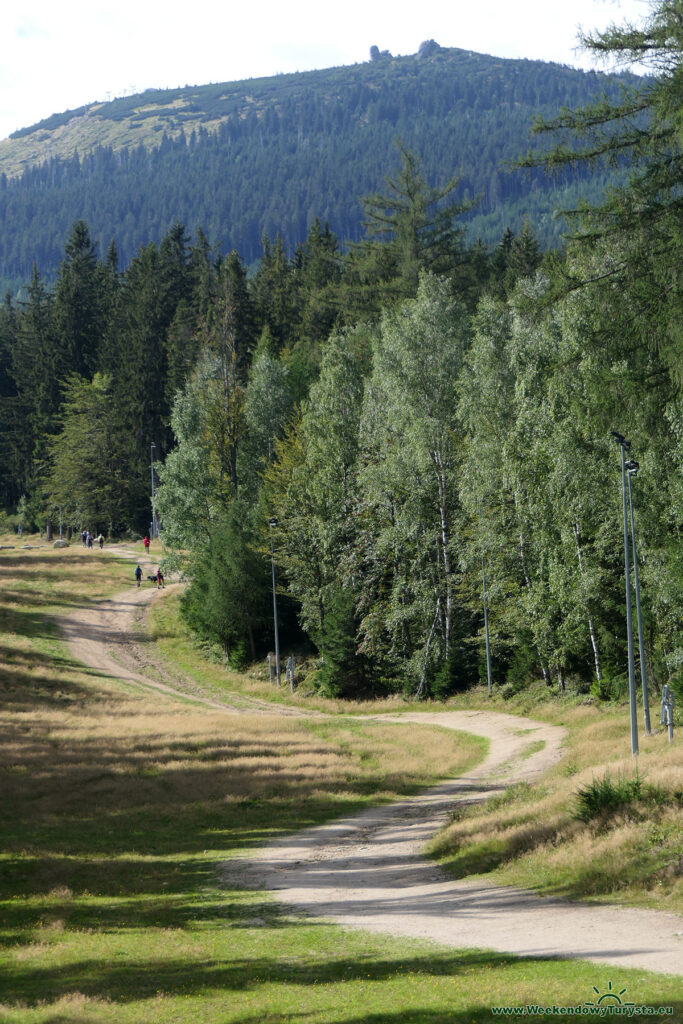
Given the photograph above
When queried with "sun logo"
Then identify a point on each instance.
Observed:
(609, 998)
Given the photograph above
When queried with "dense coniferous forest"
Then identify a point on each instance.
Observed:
(270, 155)
(398, 419)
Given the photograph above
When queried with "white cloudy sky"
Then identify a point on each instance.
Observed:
(56, 56)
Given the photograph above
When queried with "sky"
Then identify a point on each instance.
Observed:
(58, 56)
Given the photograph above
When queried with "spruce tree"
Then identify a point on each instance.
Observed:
(79, 305)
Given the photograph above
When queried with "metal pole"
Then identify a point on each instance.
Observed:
(154, 515)
(632, 470)
(273, 522)
(667, 716)
(486, 630)
(629, 617)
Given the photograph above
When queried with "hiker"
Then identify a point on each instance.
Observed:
(100, 541)
(138, 574)
(160, 579)
(146, 543)
(89, 539)
(84, 537)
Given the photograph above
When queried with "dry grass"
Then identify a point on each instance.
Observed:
(211, 675)
(118, 809)
(534, 839)
(634, 855)
(88, 765)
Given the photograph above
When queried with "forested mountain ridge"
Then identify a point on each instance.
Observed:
(270, 155)
(388, 422)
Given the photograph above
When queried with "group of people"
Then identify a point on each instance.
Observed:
(88, 540)
(157, 577)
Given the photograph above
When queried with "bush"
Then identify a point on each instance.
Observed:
(607, 796)
(522, 669)
(239, 656)
(228, 600)
(676, 686)
(344, 670)
(612, 686)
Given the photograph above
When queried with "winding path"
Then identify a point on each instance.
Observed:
(368, 870)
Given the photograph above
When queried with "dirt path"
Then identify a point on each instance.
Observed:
(368, 871)
(112, 639)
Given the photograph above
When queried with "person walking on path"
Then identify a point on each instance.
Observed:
(138, 575)
(100, 541)
(160, 579)
(146, 543)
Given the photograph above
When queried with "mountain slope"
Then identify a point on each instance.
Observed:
(271, 154)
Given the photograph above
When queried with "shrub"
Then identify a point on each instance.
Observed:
(612, 686)
(344, 670)
(676, 685)
(606, 795)
(239, 656)
(522, 669)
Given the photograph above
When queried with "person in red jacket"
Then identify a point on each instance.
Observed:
(146, 543)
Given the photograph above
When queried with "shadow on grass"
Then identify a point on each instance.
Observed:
(487, 856)
(168, 909)
(38, 568)
(29, 624)
(18, 598)
(128, 982)
(33, 688)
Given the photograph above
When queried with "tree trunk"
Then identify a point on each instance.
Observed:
(545, 671)
(591, 629)
(448, 610)
(423, 676)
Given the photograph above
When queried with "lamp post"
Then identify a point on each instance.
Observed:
(273, 523)
(486, 628)
(489, 679)
(154, 515)
(624, 445)
(632, 468)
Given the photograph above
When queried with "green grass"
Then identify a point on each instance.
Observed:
(536, 844)
(589, 831)
(119, 810)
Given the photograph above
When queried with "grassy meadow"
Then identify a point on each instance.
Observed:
(626, 847)
(119, 807)
(531, 836)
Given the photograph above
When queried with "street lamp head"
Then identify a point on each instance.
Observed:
(620, 439)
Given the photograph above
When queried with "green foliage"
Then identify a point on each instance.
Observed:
(410, 413)
(270, 155)
(344, 671)
(522, 667)
(228, 600)
(606, 796)
(86, 460)
(311, 485)
(612, 685)
(411, 228)
(408, 501)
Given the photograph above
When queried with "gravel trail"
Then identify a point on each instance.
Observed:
(368, 870)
